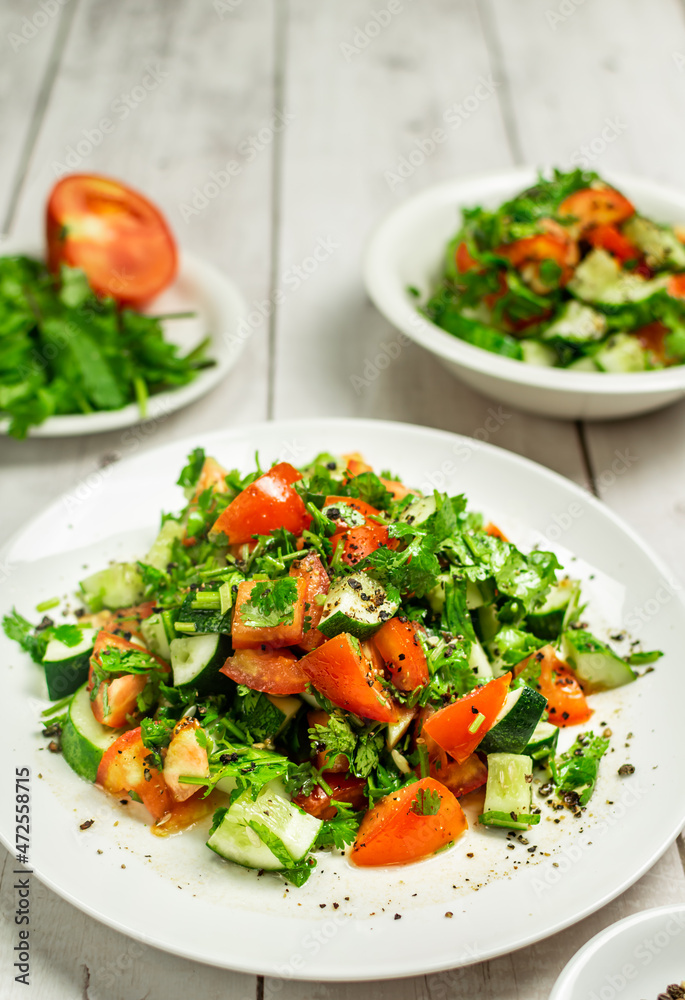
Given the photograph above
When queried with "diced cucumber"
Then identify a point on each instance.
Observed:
(197, 659)
(536, 353)
(84, 739)
(558, 610)
(516, 722)
(153, 632)
(597, 666)
(577, 324)
(288, 706)
(204, 619)
(659, 244)
(358, 605)
(161, 550)
(543, 742)
(419, 511)
(269, 833)
(582, 365)
(621, 353)
(479, 662)
(118, 586)
(509, 792)
(599, 279)
(66, 667)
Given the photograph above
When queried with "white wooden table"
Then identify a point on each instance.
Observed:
(190, 85)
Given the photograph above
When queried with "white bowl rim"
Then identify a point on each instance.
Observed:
(382, 288)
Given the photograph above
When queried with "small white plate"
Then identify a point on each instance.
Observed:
(218, 305)
(475, 901)
(407, 249)
(636, 958)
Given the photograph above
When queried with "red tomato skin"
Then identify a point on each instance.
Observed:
(269, 502)
(392, 833)
(596, 207)
(122, 769)
(611, 239)
(676, 286)
(247, 637)
(118, 237)
(652, 338)
(566, 702)
(399, 490)
(345, 789)
(398, 643)
(449, 727)
(492, 530)
(463, 259)
(360, 542)
(317, 582)
(356, 464)
(362, 506)
(273, 671)
(340, 671)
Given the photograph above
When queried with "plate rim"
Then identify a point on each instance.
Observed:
(436, 965)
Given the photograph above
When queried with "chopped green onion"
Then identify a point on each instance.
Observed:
(225, 597)
(207, 600)
(46, 605)
(475, 725)
(57, 708)
(185, 627)
(141, 392)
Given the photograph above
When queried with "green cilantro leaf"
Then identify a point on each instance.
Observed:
(271, 603)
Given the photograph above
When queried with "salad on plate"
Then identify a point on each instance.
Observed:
(326, 659)
(566, 274)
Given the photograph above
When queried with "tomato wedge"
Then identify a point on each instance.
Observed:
(398, 643)
(122, 692)
(676, 286)
(461, 778)
(341, 672)
(269, 502)
(273, 671)
(399, 490)
(409, 825)
(123, 769)
(184, 756)
(609, 238)
(313, 572)
(114, 234)
(566, 702)
(492, 530)
(458, 728)
(596, 207)
(245, 636)
(463, 259)
(356, 464)
(344, 789)
(358, 543)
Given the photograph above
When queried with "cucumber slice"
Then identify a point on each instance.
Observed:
(196, 660)
(536, 353)
(600, 280)
(118, 586)
(358, 605)
(597, 666)
(509, 792)
(84, 739)
(66, 667)
(153, 632)
(543, 742)
(516, 722)
(161, 550)
(582, 365)
(558, 610)
(419, 512)
(577, 324)
(289, 832)
(659, 244)
(621, 353)
(288, 706)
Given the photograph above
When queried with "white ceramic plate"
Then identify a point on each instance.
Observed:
(177, 895)
(637, 957)
(199, 287)
(407, 250)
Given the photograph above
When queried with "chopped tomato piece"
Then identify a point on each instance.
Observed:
(344, 789)
(611, 239)
(460, 778)
(245, 636)
(322, 759)
(398, 643)
(185, 814)
(358, 543)
(274, 671)
(398, 489)
(409, 825)
(114, 234)
(269, 502)
(184, 756)
(676, 286)
(527, 254)
(492, 530)
(463, 259)
(212, 476)
(368, 512)
(356, 464)
(313, 572)
(596, 207)
(125, 768)
(566, 702)
(123, 690)
(652, 338)
(341, 672)
(458, 728)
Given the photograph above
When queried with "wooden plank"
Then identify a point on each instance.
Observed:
(365, 98)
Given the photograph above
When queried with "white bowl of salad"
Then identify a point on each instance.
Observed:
(559, 293)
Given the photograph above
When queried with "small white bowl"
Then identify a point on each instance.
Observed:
(407, 250)
(636, 957)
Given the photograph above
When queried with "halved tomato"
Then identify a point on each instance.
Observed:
(609, 238)
(458, 728)
(595, 207)
(566, 702)
(343, 789)
(269, 502)
(274, 671)
(124, 769)
(341, 672)
(409, 825)
(313, 572)
(184, 756)
(114, 234)
(244, 636)
(398, 644)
